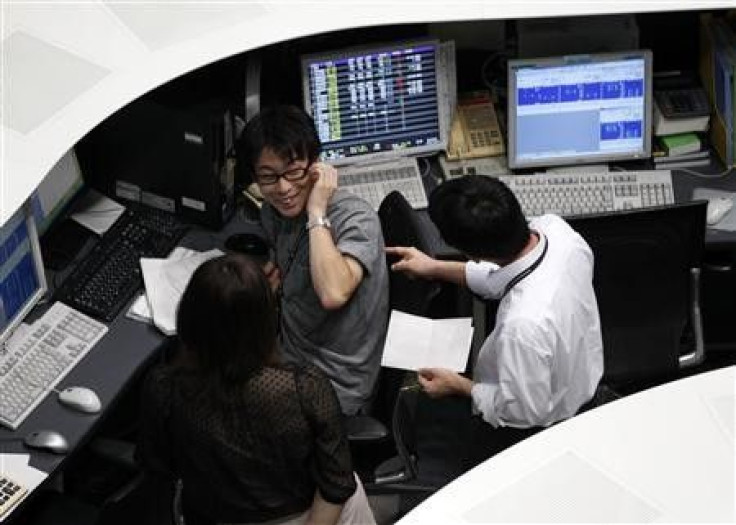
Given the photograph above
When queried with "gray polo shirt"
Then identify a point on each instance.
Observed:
(346, 344)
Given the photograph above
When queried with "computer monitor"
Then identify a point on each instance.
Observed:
(579, 109)
(377, 102)
(57, 190)
(22, 277)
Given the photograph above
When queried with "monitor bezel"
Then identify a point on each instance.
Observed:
(573, 160)
(66, 168)
(35, 246)
(442, 96)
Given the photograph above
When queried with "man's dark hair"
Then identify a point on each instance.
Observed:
(285, 129)
(479, 216)
(226, 320)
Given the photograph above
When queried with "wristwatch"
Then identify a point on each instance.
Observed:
(319, 221)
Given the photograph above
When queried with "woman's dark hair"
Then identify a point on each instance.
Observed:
(287, 130)
(227, 319)
(479, 216)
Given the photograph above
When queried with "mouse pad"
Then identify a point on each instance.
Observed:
(728, 222)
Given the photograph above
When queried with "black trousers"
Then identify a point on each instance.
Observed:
(451, 441)
(487, 441)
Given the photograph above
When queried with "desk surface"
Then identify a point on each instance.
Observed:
(110, 369)
(663, 455)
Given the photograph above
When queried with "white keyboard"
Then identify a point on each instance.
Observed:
(586, 193)
(32, 366)
(373, 182)
(10, 493)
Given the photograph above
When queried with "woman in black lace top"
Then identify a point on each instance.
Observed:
(252, 440)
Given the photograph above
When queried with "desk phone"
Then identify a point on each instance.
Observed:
(683, 102)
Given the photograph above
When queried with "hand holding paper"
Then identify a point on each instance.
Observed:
(440, 382)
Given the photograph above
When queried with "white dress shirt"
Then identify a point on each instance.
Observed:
(544, 358)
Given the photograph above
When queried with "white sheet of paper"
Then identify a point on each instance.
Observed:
(165, 281)
(16, 467)
(414, 342)
(140, 310)
(97, 212)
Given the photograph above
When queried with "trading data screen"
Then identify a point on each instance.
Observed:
(20, 283)
(373, 102)
(595, 108)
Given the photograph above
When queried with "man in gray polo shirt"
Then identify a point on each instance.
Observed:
(328, 265)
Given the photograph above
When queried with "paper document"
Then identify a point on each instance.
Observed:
(97, 212)
(415, 342)
(140, 310)
(16, 467)
(165, 281)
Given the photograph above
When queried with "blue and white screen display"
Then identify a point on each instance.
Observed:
(21, 282)
(579, 109)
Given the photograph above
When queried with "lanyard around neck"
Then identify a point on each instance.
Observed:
(292, 253)
(285, 271)
(529, 269)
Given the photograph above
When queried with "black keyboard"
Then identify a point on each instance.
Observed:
(110, 275)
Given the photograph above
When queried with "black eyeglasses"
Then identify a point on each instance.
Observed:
(292, 175)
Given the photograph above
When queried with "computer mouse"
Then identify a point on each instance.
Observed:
(80, 398)
(48, 440)
(248, 244)
(718, 207)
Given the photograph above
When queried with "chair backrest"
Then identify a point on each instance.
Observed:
(646, 268)
(401, 227)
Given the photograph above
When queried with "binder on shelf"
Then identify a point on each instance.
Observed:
(675, 163)
(717, 70)
(670, 126)
(703, 153)
(680, 144)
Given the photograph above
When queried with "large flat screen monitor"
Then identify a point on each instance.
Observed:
(377, 102)
(579, 109)
(22, 277)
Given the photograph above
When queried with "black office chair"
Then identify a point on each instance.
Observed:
(646, 279)
(388, 428)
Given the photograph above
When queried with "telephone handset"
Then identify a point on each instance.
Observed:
(475, 131)
(253, 194)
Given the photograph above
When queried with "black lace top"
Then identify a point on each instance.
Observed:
(256, 456)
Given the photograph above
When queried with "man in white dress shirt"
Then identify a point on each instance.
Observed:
(544, 358)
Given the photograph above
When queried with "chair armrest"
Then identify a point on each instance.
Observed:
(365, 428)
(698, 355)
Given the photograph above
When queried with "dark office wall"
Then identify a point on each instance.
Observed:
(673, 39)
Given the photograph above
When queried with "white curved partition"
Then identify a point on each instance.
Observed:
(66, 66)
(663, 455)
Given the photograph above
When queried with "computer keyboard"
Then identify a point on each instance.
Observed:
(32, 366)
(110, 275)
(373, 182)
(587, 193)
(10, 493)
